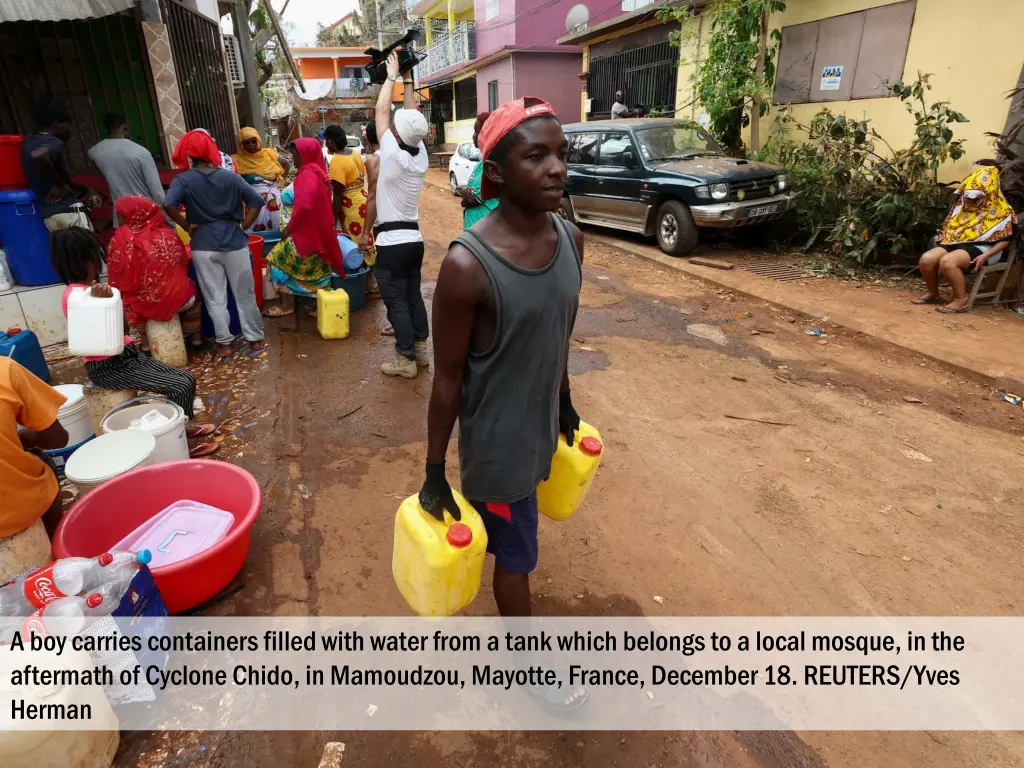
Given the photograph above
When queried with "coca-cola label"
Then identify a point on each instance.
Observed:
(34, 624)
(40, 588)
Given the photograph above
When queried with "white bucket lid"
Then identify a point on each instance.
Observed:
(73, 393)
(109, 455)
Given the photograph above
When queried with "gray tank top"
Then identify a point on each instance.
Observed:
(508, 422)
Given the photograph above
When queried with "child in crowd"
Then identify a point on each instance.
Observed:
(78, 256)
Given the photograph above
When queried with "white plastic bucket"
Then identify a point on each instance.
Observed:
(171, 440)
(74, 414)
(108, 456)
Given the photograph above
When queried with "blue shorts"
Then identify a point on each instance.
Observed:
(511, 532)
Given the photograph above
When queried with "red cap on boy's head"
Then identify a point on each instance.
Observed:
(502, 120)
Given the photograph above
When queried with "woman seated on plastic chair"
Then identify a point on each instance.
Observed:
(308, 253)
(977, 230)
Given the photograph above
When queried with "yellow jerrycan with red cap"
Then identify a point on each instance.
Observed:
(438, 565)
(572, 471)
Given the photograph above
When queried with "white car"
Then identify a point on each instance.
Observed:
(353, 143)
(462, 165)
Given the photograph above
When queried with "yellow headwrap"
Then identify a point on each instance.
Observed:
(988, 219)
(262, 163)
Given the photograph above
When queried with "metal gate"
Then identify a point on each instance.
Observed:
(647, 75)
(203, 82)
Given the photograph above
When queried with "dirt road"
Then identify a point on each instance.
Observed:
(864, 504)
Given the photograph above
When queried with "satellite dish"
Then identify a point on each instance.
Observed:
(577, 17)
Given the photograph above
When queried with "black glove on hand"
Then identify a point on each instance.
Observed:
(436, 494)
(568, 419)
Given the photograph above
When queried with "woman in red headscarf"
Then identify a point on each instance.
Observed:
(308, 253)
(148, 264)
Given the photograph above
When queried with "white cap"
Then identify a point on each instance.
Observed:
(411, 126)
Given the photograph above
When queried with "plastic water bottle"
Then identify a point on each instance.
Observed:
(61, 578)
(118, 573)
(68, 577)
(65, 616)
(5, 275)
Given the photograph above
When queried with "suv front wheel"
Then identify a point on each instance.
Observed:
(675, 228)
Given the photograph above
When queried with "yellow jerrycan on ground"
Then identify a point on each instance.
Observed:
(572, 472)
(332, 313)
(438, 565)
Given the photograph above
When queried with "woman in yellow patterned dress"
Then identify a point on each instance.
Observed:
(978, 227)
(348, 181)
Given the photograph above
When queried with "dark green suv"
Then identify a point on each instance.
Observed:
(665, 178)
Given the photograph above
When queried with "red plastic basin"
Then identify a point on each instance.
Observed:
(118, 507)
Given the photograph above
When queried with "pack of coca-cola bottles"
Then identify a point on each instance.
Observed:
(61, 596)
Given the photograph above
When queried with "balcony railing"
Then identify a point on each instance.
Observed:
(352, 87)
(449, 48)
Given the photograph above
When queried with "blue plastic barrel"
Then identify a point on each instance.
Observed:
(25, 238)
(23, 347)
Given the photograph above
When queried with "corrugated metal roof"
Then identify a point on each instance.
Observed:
(60, 10)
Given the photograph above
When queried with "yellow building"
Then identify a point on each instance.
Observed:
(841, 53)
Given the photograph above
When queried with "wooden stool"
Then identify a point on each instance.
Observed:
(101, 400)
(24, 551)
(166, 343)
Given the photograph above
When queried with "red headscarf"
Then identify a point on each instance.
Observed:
(147, 263)
(312, 221)
(198, 144)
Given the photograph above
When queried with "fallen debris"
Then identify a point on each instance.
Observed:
(349, 413)
(659, 599)
(916, 456)
(761, 421)
(334, 751)
(739, 378)
(700, 261)
(910, 399)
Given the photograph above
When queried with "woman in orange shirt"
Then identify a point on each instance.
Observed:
(28, 424)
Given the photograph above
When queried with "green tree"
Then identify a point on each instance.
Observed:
(735, 75)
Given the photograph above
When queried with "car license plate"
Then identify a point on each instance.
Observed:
(762, 210)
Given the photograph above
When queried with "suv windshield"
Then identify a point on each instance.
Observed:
(679, 141)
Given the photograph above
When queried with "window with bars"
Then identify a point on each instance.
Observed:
(465, 99)
(646, 75)
(492, 95)
(491, 9)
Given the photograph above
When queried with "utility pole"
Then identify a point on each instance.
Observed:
(380, 32)
(252, 89)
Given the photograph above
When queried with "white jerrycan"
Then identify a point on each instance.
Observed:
(95, 325)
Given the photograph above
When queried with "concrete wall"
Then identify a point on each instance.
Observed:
(537, 23)
(501, 71)
(976, 85)
(553, 77)
(497, 33)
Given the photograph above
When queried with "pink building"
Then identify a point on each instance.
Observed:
(481, 53)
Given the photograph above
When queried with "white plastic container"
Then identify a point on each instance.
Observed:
(171, 440)
(74, 414)
(95, 325)
(55, 749)
(108, 456)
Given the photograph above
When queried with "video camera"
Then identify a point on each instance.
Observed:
(377, 68)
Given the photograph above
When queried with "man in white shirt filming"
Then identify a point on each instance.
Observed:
(396, 231)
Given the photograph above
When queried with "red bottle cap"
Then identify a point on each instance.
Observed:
(94, 600)
(459, 535)
(14, 331)
(591, 446)
(105, 559)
